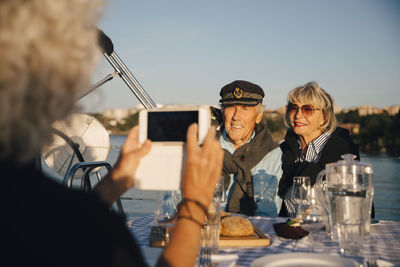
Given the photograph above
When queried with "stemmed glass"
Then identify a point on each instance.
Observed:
(313, 216)
(165, 213)
(299, 196)
(306, 208)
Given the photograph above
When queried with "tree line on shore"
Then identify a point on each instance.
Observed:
(377, 133)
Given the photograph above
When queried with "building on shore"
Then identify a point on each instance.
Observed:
(371, 110)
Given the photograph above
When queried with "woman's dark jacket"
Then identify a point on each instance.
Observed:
(339, 143)
(45, 224)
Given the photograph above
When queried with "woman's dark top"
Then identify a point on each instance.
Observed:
(45, 224)
(339, 143)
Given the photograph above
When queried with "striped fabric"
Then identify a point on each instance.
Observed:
(314, 148)
(313, 155)
(383, 242)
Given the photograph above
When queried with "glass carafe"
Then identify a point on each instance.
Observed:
(347, 188)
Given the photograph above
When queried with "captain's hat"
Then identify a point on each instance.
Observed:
(241, 93)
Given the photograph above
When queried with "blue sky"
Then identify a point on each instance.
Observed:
(183, 52)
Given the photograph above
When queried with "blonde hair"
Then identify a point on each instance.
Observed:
(312, 93)
(47, 52)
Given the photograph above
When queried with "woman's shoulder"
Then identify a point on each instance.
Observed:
(341, 131)
(340, 143)
(341, 134)
(289, 141)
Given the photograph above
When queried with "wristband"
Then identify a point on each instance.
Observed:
(191, 219)
(198, 203)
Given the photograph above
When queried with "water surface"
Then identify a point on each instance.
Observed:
(386, 180)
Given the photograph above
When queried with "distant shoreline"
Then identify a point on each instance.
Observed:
(370, 153)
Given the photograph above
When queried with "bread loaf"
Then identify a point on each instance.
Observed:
(236, 226)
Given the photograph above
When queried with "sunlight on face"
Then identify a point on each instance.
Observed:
(240, 121)
(306, 125)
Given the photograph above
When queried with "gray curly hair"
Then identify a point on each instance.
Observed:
(46, 55)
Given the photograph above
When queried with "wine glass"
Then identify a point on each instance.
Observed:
(299, 196)
(313, 216)
(165, 213)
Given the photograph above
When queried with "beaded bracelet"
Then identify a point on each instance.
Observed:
(191, 219)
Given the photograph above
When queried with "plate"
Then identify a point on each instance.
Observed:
(303, 259)
(383, 263)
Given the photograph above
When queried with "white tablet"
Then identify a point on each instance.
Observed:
(162, 168)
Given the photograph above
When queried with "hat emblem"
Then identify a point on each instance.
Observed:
(238, 93)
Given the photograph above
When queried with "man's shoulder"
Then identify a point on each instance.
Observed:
(275, 153)
(272, 160)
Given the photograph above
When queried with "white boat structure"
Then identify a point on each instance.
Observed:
(81, 144)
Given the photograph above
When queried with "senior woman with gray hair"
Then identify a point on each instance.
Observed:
(47, 52)
(313, 138)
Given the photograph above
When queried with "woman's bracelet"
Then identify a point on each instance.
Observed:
(190, 217)
(198, 203)
(180, 216)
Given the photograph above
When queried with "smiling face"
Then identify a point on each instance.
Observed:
(239, 121)
(305, 123)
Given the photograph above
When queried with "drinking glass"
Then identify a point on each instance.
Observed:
(221, 193)
(211, 226)
(314, 211)
(351, 237)
(165, 213)
(299, 198)
(313, 220)
(350, 210)
(321, 190)
(209, 236)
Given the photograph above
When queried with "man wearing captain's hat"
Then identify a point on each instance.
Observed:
(252, 162)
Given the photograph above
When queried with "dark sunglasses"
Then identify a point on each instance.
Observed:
(306, 110)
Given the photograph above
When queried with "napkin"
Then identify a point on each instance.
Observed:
(224, 260)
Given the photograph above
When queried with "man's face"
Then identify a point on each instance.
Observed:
(239, 121)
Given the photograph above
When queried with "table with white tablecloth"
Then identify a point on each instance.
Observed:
(383, 242)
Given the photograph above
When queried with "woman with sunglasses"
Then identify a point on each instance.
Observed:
(313, 138)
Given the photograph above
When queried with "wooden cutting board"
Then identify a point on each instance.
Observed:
(258, 239)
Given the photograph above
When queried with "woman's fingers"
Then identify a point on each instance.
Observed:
(131, 141)
(132, 144)
(216, 157)
(203, 165)
(125, 169)
(191, 137)
(144, 149)
(210, 137)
